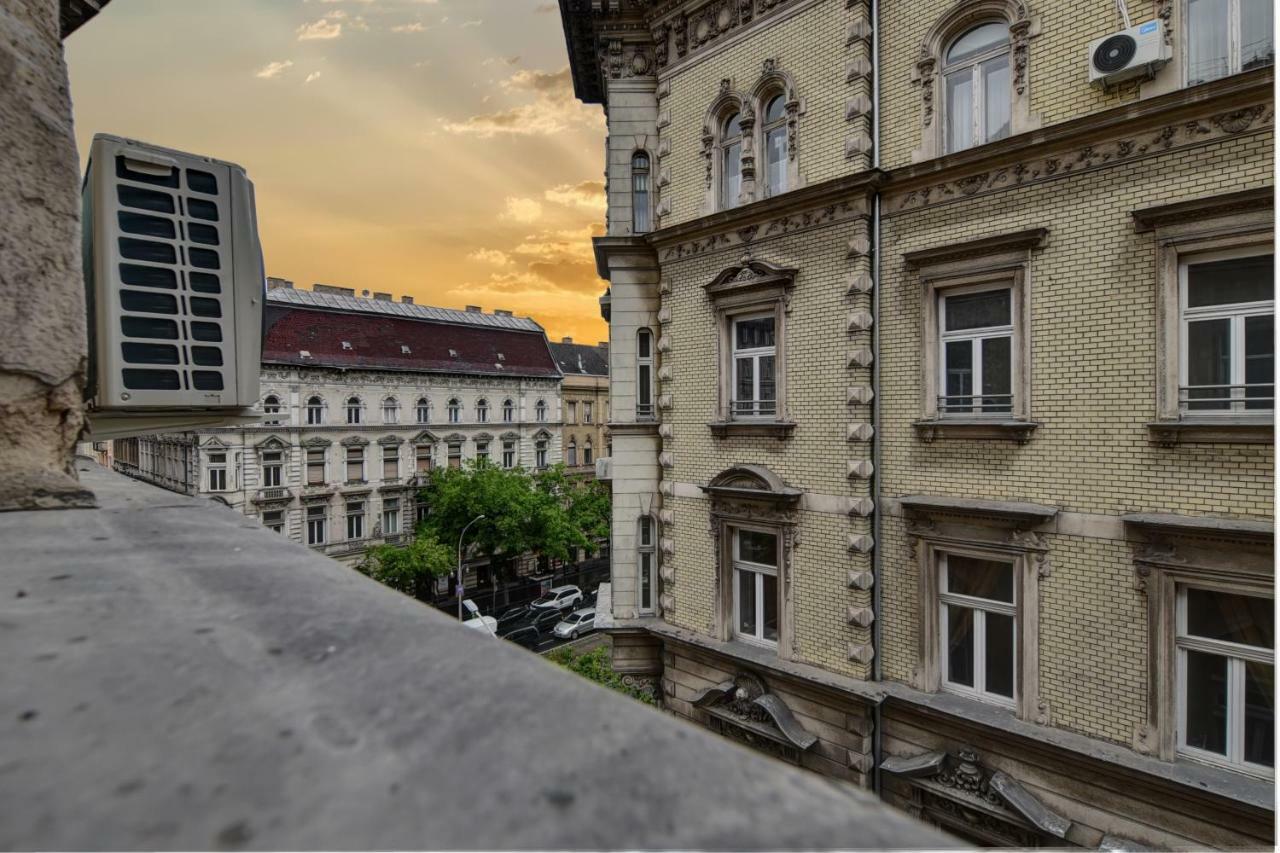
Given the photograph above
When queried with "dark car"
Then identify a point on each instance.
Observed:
(546, 620)
(513, 618)
(527, 636)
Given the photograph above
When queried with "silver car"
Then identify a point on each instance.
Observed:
(576, 624)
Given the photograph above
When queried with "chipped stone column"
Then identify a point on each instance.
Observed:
(43, 349)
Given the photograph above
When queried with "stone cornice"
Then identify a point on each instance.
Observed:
(1018, 241)
(1151, 218)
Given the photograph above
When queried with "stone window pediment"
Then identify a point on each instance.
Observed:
(387, 440)
(744, 710)
(455, 438)
(510, 436)
(754, 483)
(216, 443)
(317, 441)
(758, 279)
(272, 442)
(354, 441)
(424, 437)
(542, 435)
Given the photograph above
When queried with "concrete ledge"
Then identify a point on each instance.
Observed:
(178, 677)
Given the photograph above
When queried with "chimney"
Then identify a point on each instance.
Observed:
(337, 291)
(566, 340)
(501, 312)
(407, 300)
(474, 309)
(274, 283)
(382, 297)
(365, 294)
(604, 345)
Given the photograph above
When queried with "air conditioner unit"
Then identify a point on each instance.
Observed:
(1136, 52)
(174, 284)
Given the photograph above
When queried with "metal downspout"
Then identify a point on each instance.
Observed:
(876, 560)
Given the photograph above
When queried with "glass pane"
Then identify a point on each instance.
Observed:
(732, 129)
(744, 389)
(646, 581)
(1207, 49)
(768, 393)
(732, 173)
(959, 645)
(958, 363)
(972, 576)
(978, 310)
(1256, 45)
(777, 108)
(997, 374)
(747, 603)
(1259, 713)
(1259, 361)
(640, 209)
(775, 144)
(959, 110)
(1231, 281)
(978, 39)
(642, 344)
(997, 98)
(1244, 619)
(645, 389)
(1206, 697)
(1209, 364)
(999, 653)
(757, 547)
(752, 334)
(770, 593)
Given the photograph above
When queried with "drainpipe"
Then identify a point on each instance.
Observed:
(877, 562)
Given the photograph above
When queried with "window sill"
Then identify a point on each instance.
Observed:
(775, 429)
(987, 429)
(1226, 430)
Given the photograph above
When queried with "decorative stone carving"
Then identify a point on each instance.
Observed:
(862, 653)
(788, 224)
(856, 144)
(860, 320)
(858, 247)
(861, 543)
(859, 29)
(746, 700)
(860, 616)
(665, 431)
(857, 106)
(861, 579)
(860, 432)
(861, 357)
(862, 469)
(858, 66)
(861, 507)
(859, 283)
(667, 460)
(860, 395)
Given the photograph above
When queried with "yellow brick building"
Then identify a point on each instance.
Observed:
(942, 399)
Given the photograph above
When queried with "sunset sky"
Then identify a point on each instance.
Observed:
(423, 147)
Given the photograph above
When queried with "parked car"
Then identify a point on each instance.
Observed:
(483, 624)
(546, 620)
(513, 618)
(576, 624)
(558, 598)
(527, 636)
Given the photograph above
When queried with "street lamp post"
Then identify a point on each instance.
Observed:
(460, 535)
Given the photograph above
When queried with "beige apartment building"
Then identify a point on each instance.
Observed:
(943, 401)
(584, 393)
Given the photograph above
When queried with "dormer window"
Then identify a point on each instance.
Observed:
(346, 344)
(303, 353)
(640, 193)
(404, 349)
(730, 161)
(453, 353)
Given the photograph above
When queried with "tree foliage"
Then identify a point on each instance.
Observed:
(411, 568)
(597, 665)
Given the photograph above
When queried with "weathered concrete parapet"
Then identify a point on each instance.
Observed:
(42, 311)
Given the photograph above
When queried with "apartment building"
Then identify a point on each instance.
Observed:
(585, 391)
(361, 396)
(942, 398)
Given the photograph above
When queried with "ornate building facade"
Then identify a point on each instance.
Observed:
(585, 391)
(942, 400)
(361, 397)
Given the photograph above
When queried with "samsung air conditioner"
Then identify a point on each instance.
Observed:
(1135, 52)
(174, 285)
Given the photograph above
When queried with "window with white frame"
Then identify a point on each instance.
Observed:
(588, 413)
(482, 452)
(646, 552)
(571, 412)
(420, 512)
(640, 193)
(455, 411)
(317, 524)
(508, 454)
(390, 410)
(644, 375)
(271, 408)
(755, 586)
(455, 454)
(540, 411)
(355, 519)
(482, 411)
(217, 472)
(754, 366)
(540, 453)
(775, 145)
(730, 161)
(272, 468)
(976, 343)
(315, 467)
(422, 458)
(354, 410)
(508, 411)
(977, 87)
(977, 626)
(571, 452)
(390, 516)
(1225, 645)
(1227, 37)
(423, 409)
(315, 411)
(355, 464)
(1227, 352)
(586, 452)
(274, 521)
(390, 462)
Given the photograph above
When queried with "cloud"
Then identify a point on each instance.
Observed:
(325, 28)
(477, 22)
(545, 8)
(273, 69)
(553, 109)
(506, 60)
(524, 210)
(588, 195)
(491, 256)
(314, 75)
(415, 27)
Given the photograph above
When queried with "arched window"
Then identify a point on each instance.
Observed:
(644, 375)
(353, 410)
(775, 145)
(424, 410)
(315, 411)
(586, 452)
(640, 193)
(571, 451)
(482, 411)
(455, 410)
(977, 89)
(508, 411)
(730, 161)
(540, 410)
(390, 411)
(271, 408)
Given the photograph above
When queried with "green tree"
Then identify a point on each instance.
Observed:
(411, 569)
(597, 665)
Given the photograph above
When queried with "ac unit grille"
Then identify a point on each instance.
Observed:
(1115, 53)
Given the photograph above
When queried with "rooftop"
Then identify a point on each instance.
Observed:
(581, 359)
(361, 305)
(178, 677)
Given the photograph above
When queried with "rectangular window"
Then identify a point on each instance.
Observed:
(217, 472)
(976, 342)
(315, 468)
(355, 464)
(1226, 677)
(508, 454)
(272, 468)
(571, 413)
(390, 517)
(588, 414)
(1227, 356)
(755, 586)
(1227, 37)
(420, 512)
(355, 519)
(540, 453)
(586, 453)
(317, 521)
(422, 458)
(977, 627)
(455, 455)
(482, 451)
(646, 551)
(571, 454)
(274, 521)
(390, 462)
(754, 357)
(644, 375)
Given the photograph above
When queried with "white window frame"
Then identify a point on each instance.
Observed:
(779, 125)
(423, 410)
(317, 525)
(647, 563)
(508, 411)
(508, 454)
(1235, 39)
(311, 463)
(315, 410)
(1236, 654)
(455, 410)
(723, 145)
(1236, 313)
(360, 460)
(482, 411)
(976, 337)
(973, 64)
(355, 411)
(390, 516)
(645, 377)
(641, 186)
(540, 453)
(272, 522)
(757, 411)
(217, 479)
(390, 410)
(271, 409)
(355, 520)
(540, 411)
(980, 607)
(272, 462)
(737, 565)
(588, 413)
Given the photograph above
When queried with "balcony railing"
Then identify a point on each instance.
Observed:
(986, 405)
(272, 494)
(747, 409)
(1256, 398)
(644, 411)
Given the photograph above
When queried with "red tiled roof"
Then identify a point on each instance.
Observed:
(377, 342)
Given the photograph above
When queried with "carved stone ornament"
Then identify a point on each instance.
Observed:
(788, 224)
(750, 275)
(745, 701)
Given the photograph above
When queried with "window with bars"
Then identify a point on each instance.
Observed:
(976, 342)
(754, 367)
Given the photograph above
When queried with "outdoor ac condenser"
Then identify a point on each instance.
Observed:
(174, 284)
(1135, 52)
